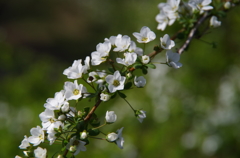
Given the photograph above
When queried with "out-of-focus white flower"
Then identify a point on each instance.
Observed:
(141, 115)
(76, 146)
(201, 5)
(104, 97)
(24, 143)
(145, 35)
(40, 153)
(120, 139)
(227, 5)
(214, 22)
(145, 59)
(115, 82)
(162, 20)
(83, 135)
(140, 81)
(73, 91)
(166, 42)
(122, 43)
(110, 117)
(172, 59)
(37, 136)
(129, 59)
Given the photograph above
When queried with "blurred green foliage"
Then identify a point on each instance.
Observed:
(191, 112)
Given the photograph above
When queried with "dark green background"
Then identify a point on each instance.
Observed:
(191, 112)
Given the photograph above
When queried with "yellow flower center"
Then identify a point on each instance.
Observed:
(116, 83)
(76, 92)
(144, 39)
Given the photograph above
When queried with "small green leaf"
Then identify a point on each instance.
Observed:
(93, 132)
(122, 95)
(144, 70)
(181, 35)
(111, 70)
(128, 85)
(114, 95)
(152, 66)
(137, 66)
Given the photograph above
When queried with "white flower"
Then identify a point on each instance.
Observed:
(145, 35)
(101, 54)
(76, 146)
(172, 59)
(56, 102)
(48, 120)
(24, 143)
(104, 97)
(133, 48)
(162, 20)
(141, 115)
(51, 136)
(201, 5)
(115, 82)
(37, 136)
(76, 70)
(122, 43)
(111, 137)
(139, 81)
(129, 59)
(110, 117)
(18, 156)
(120, 139)
(166, 42)
(227, 5)
(214, 22)
(40, 153)
(145, 59)
(73, 91)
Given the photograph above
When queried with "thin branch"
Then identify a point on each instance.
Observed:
(92, 110)
(192, 33)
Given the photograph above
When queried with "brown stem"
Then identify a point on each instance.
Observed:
(92, 110)
(192, 33)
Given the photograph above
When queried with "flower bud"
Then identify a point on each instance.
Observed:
(60, 156)
(139, 81)
(104, 97)
(72, 148)
(65, 107)
(61, 117)
(227, 5)
(140, 115)
(83, 135)
(110, 117)
(111, 137)
(145, 59)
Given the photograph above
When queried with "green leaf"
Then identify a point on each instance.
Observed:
(144, 70)
(93, 132)
(128, 85)
(111, 69)
(122, 95)
(137, 66)
(114, 95)
(152, 66)
(181, 35)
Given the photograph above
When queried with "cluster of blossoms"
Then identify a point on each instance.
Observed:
(174, 10)
(67, 121)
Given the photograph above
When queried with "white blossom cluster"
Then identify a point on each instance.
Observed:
(72, 127)
(174, 10)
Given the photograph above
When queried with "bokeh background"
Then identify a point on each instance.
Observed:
(191, 112)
